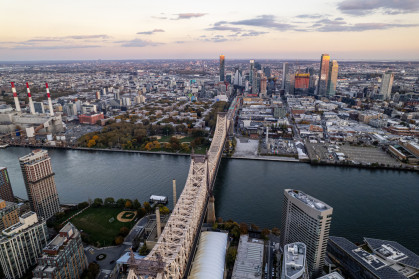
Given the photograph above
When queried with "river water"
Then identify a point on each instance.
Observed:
(366, 203)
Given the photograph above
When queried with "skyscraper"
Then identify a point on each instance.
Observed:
(6, 192)
(306, 219)
(21, 244)
(40, 183)
(252, 66)
(222, 67)
(386, 85)
(285, 69)
(333, 78)
(63, 257)
(324, 75)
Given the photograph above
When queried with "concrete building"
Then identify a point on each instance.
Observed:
(6, 192)
(285, 70)
(9, 214)
(385, 259)
(40, 183)
(306, 219)
(249, 259)
(333, 78)
(333, 275)
(90, 119)
(386, 85)
(21, 244)
(63, 257)
(294, 261)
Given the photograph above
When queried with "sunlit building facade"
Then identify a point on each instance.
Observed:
(324, 75)
(333, 78)
(222, 67)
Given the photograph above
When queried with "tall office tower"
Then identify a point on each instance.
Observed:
(323, 75)
(21, 244)
(263, 87)
(222, 61)
(285, 70)
(229, 78)
(255, 88)
(302, 82)
(387, 84)
(238, 77)
(9, 214)
(252, 67)
(294, 261)
(333, 78)
(6, 192)
(267, 71)
(40, 183)
(63, 257)
(258, 66)
(306, 219)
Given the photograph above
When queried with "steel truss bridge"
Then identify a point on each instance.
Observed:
(170, 257)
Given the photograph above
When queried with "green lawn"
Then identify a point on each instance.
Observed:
(95, 222)
(167, 139)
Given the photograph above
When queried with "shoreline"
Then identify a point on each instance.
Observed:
(255, 158)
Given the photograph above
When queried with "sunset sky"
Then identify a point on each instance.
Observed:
(137, 29)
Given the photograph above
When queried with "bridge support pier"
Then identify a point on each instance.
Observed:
(211, 210)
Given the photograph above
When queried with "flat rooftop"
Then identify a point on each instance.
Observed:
(308, 200)
(248, 264)
(294, 259)
(333, 275)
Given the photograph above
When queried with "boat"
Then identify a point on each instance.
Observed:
(2, 146)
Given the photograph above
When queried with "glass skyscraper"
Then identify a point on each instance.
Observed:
(222, 68)
(324, 75)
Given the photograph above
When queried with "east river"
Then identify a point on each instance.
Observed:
(380, 204)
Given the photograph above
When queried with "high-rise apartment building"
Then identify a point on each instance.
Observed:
(386, 85)
(9, 214)
(306, 219)
(6, 192)
(222, 67)
(323, 75)
(40, 183)
(252, 67)
(21, 244)
(63, 257)
(285, 69)
(333, 78)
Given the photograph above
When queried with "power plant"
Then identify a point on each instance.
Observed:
(32, 123)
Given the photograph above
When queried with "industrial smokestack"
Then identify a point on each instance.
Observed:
(17, 105)
(31, 107)
(174, 193)
(158, 222)
(51, 111)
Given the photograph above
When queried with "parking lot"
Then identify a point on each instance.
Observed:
(368, 155)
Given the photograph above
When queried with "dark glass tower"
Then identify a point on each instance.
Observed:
(222, 68)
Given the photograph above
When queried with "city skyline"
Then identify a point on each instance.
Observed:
(347, 29)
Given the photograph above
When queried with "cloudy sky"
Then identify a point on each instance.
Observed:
(277, 29)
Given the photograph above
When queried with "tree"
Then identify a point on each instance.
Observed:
(143, 250)
(254, 227)
(265, 233)
(276, 231)
(141, 212)
(119, 240)
(128, 203)
(124, 231)
(109, 201)
(120, 203)
(164, 210)
(231, 256)
(82, 205)
(147, 206)
(136, 204)
(97, 202)
(243, 228)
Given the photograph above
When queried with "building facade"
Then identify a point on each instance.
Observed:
(63, 257)
(285, 70)
(294, 261)
(307, 220)
(40, 183)
(9, 214)
(222, 69)
(6, 192)
(21, 244)
(323, 75)
(333, 78)
(386, 85)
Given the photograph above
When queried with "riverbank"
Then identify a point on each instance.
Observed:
(240, 157)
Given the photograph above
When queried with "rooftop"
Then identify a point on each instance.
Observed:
(333, 275)
(308, 200)
(294, 259)
(249, 259)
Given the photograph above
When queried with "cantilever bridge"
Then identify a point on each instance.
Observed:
(170, 256)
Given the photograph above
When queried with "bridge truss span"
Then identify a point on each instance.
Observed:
(169, 257)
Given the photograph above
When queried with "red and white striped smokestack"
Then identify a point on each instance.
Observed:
(31, 107)
(51, 110)
(15, 97)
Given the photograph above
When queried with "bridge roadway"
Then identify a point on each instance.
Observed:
(170, 257)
